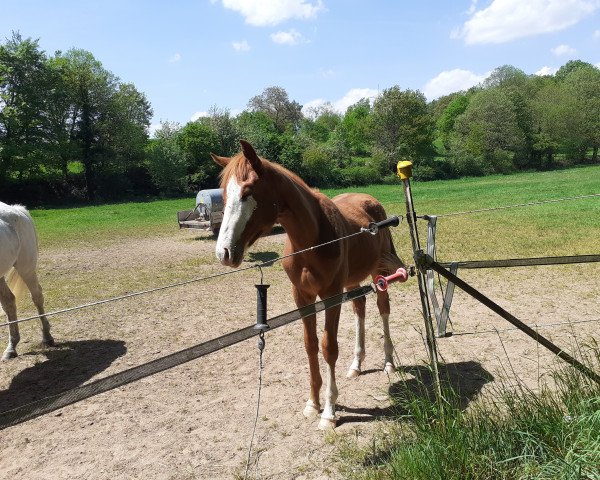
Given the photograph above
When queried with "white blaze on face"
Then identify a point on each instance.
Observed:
(235, 217)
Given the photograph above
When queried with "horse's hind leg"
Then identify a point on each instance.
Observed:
(330, 348)
(33, 284)
(358, 306)
(383, 303)
(9, 304)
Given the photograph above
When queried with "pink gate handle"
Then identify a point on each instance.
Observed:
(381, 282)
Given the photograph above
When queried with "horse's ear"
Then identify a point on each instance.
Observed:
(250, 154)
(223, 161)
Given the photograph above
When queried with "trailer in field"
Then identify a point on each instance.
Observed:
(207, 214)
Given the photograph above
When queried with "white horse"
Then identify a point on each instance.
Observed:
(18, 261)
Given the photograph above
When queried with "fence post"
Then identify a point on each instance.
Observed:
(405, 173)
(441, 313)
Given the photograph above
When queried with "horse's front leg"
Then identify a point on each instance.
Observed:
(358, 305)
(330, 353)
(311, 345)
(9, 304)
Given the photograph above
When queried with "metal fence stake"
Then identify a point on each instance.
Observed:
(405, 173)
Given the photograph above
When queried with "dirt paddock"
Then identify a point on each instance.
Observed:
(195, 421)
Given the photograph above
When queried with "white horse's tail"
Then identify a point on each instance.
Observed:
(15, 283)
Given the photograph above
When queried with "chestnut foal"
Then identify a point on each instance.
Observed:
(257, 195)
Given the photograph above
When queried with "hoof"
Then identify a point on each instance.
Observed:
(8, 354)
(389, 368)
(311, 410)
(353, 373)
(48, 342)
(327, 424)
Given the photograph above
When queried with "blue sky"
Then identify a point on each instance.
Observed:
(189, 55)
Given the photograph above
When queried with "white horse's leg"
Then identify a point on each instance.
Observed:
(31, 280)
(388, 346)
(330, 352)
(383, 303)
(359, 346)
(9, 304)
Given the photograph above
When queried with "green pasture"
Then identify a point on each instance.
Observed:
(562, 228)
(105, 223)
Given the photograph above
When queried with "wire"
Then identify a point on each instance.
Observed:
(123, 297)
(267, 263)
(466, 212)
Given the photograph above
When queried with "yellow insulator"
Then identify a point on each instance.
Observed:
(404, 169)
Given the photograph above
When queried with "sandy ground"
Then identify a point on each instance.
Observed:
(195, 421)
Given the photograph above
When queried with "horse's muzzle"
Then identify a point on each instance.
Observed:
(230, 256)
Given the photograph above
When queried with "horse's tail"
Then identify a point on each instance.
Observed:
(15, 283)
(389, 261)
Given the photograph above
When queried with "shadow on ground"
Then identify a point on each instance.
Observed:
(68, 365)
(466, 379)
(262, 257)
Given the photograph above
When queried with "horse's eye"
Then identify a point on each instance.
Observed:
(246, 195)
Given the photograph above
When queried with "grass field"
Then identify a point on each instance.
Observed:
(563, 228)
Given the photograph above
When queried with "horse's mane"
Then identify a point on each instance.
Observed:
(241, 170)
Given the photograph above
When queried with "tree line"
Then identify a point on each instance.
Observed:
(70, 130)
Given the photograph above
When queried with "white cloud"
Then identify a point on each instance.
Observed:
(198, 115)
(327, 72)
(546, 71)
(342, 104)
(261, 13)
(507, 20)
(563, 50)
(175, 58)
(204, 114)
(596, 35)
(450, 81)
(311, 106)
(354, 96)
(153, 128)
(241, 46)
(291, 37)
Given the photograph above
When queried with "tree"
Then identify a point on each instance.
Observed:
(583, 88)
(275, 103)
(548, 105)
(357, 125)
(489, 129)
(571, 66)
(321, 124)
(258, 128)
(91, 86)
(107, 120)
(445, 123)
(402, 126)
(166, 162)
(123, 128)
(504, 76)
(222, 125)
(197, 141)
(24, 82)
